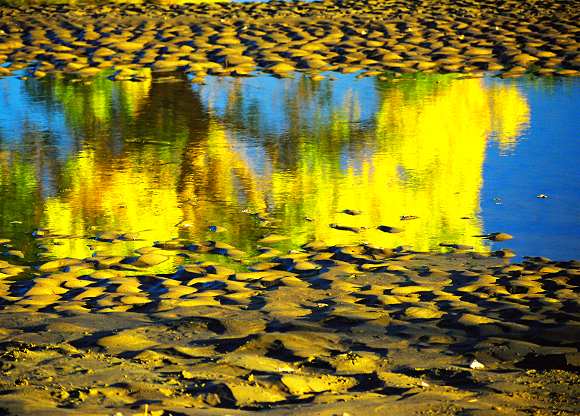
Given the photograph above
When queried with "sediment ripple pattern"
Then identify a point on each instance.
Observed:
(511, 38)
(313, 331)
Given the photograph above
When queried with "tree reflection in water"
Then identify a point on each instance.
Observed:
(166, 160)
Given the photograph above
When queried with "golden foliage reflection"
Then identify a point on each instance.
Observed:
(419, 152)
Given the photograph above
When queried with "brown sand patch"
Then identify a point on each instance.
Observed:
(318, 331)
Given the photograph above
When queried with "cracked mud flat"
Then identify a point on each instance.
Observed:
(319, 331)
(511, 38)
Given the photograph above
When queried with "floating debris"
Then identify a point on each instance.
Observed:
(389, 229)
(346, 228)
(457, 246)
(504, 252)
(351, 212)
(496, 236)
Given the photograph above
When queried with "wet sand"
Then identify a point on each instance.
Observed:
(510, 38)
(341, 330)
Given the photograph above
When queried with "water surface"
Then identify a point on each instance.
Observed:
(164, 158)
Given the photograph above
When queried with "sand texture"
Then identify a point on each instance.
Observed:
(510, 38)
(318, 331)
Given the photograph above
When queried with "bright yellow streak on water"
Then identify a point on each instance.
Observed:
(509, 113)
(426, 160)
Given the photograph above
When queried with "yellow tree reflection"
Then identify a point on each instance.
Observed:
(427, 161)
(422, 154)
(126, 196)
(510, 114)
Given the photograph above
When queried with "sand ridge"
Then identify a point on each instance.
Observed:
(511, 38)
(361, 330)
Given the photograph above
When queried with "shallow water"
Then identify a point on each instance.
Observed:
(256, 156)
